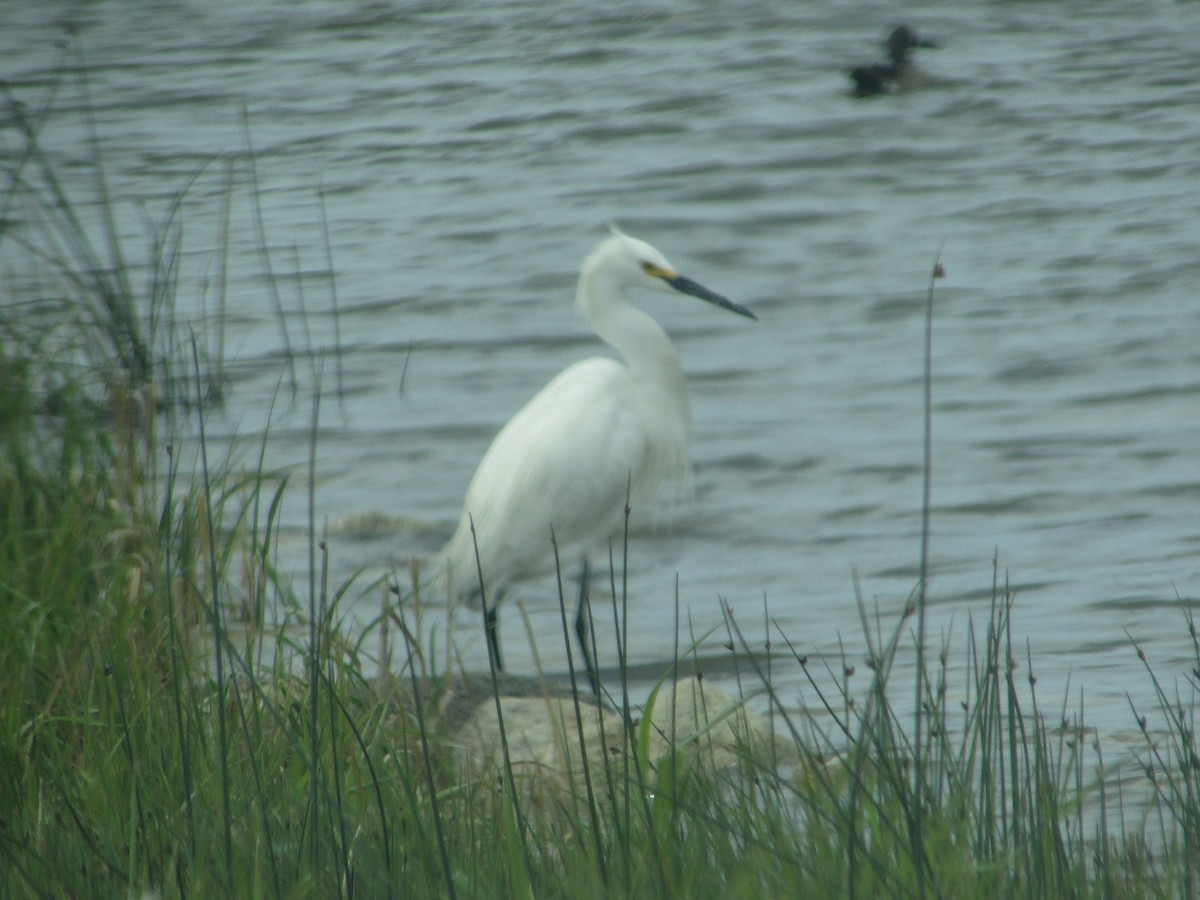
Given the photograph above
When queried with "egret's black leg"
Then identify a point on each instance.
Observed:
(583, 629)
(491, 626)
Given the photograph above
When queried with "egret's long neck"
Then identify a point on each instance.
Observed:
(632, 333)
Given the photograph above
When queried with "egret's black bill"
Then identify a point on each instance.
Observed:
(695, 289)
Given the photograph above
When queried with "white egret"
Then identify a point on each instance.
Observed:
(598, 434)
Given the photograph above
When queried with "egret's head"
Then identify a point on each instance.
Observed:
(634, 263)
(630, 262)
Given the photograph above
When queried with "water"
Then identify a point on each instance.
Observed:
(466, 161)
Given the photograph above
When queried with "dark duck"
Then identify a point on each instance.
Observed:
(899, 73)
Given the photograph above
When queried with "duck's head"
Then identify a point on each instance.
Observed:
(902, 41)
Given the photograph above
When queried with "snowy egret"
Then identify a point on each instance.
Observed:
(599, 434)
(899, 73)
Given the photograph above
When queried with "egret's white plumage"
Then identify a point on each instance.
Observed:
(598, 432)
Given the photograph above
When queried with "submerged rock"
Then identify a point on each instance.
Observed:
(543, 732)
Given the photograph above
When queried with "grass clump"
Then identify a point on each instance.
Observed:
(149, 745)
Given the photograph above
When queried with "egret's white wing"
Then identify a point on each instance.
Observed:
(564, 461)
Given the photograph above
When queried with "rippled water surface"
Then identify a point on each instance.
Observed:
(463, 161)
